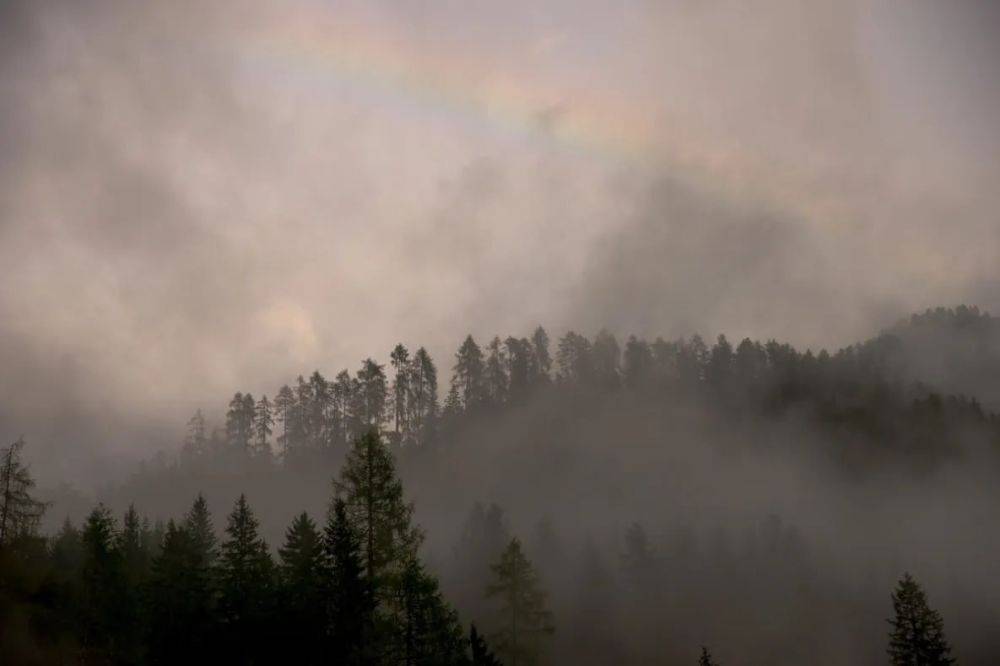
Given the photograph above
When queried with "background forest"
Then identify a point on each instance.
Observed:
(655, 496)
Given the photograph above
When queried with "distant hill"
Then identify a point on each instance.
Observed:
(956, 350)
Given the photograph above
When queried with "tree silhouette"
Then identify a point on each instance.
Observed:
(917, 637)
(523, 618)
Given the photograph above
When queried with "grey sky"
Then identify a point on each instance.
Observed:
(197, 198)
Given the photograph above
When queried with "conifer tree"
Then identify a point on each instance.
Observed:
(468, 379)
(706, 658)
(350, 602)
(302, 575)
(423, 395)
(196, 438)
(103, 586)
(246, 586)
(524, 620)
(198, 523)
(19, 511)
(428, 629)
(481, 653)
(373, 499)
(917, 637)
(263, 426)
(543, 359)
(400, 359)
(495, 380)
(180, 600)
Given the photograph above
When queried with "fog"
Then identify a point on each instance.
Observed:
(199, 198)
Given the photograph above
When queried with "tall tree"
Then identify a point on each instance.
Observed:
(303, 624)
(524, 620)
(917, 637)
(19, 510)
(495, 380)
(103, 587)
(400, 359)
(263, 426)
(246, 586)
(287, 414)
(423, 395)
(179, 600)
(350, 606)
(198, 523)
(239, 422)
(371, 393)
(196, 438)
(468, 378)
(543, 359)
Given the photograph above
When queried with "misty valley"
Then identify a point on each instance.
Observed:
(584, 501)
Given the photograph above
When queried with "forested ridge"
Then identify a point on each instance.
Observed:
(540, 507)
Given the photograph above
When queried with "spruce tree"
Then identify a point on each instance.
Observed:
(246, 587)
(350, 602)
(481, 653)
(103, 586)
(917, 637)
(198, 523)
(302, 575)
(180, 604)
(524, 620)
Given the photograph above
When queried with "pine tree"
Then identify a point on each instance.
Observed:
(706, 658)
(524, 619)
(196, 440)
(350, 602)
(481, 654)
(19, 511)
(917, 637)
(302, 575)
(246, 587)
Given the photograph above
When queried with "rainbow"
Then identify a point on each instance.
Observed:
(352, 50)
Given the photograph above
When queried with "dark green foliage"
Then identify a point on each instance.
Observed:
(350, 604)
(181, 606)
(246, 587)
(302, 573)
(103, 588)
(523, 620)
(481, 654)
(706, 658)
(917, 637)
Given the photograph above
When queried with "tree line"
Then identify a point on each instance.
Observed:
(352, 591)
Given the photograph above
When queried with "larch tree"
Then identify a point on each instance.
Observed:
(423, 395)
(917, 637)
(524, 620)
